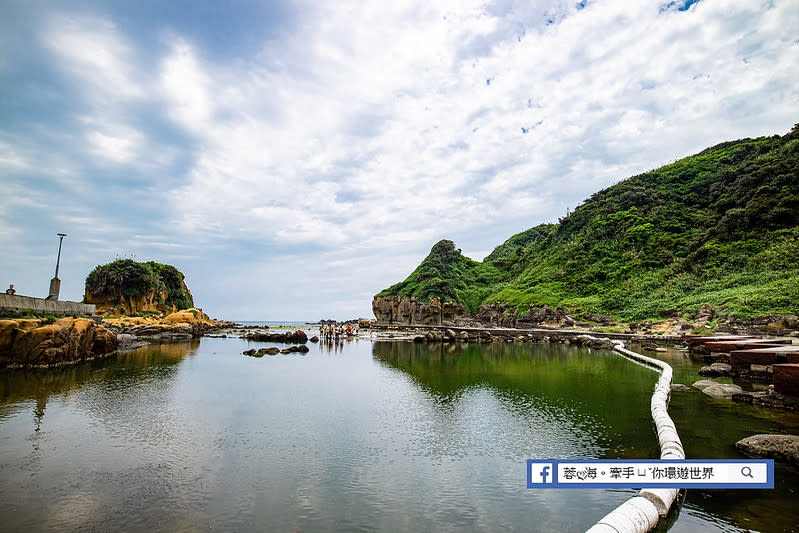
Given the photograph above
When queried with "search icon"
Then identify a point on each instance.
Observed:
(747, 472)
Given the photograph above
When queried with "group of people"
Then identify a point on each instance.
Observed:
(330, 332)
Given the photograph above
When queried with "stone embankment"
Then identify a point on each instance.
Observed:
(751, 358)
(41, 343)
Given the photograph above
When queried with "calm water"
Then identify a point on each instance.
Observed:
(362, 437)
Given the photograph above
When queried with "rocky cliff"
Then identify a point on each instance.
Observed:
(392, 310)
(35, 342)
(152, 300)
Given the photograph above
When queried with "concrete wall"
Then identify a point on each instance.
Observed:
(13, 302)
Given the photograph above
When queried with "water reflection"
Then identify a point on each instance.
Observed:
(603, 398)
(354, 436)
(19, 387)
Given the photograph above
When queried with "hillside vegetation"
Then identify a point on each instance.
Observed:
(128, 279)
(719, 227)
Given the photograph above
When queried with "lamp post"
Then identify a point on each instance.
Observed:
(55, 283)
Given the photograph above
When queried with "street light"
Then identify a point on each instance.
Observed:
(55, 283)
(58, 261)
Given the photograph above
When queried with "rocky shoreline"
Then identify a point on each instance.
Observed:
(43, 342)
(392, 311)
(34, 342)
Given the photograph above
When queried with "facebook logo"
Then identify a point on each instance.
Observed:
(540, 473)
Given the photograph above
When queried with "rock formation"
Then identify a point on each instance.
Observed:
(391, 310)
(127, 287)
(183, 324)
(151, 300)
(298, 336)
(35, 342)
(779, 447)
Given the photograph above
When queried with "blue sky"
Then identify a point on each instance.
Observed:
(295, 158)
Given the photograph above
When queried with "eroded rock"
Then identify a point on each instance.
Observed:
(778, 447)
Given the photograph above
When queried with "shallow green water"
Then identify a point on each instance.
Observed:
(361, 437)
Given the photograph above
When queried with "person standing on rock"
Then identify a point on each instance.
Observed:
(11, 289)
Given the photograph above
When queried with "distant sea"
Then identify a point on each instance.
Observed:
(281, 323)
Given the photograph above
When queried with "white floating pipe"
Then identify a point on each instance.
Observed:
(641, 513)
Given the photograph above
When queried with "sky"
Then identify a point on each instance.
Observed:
(293, 159)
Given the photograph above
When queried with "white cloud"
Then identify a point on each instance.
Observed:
(373, 130)
(186, 88)
(118, 147)
(91, 51)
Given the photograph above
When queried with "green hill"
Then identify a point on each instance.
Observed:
(718, 227)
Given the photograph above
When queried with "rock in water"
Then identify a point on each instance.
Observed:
(703, 384)
(716, 369)
(721, 390)
(778, 447)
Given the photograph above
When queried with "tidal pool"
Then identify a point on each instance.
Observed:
(363, 436)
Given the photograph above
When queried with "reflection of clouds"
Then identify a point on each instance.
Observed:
(332, 440)
(75, 509)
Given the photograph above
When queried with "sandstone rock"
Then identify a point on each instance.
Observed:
(778, 447)
(502, 315)
(272, 350)
(679, 387)
(303, 348)
(410, 311)
(463, 336)
(129, 305)
(249, 352)
(449, 334)
(541, 316)
(786, 378)
(314, 339)
(419, 339)
(32, 342)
